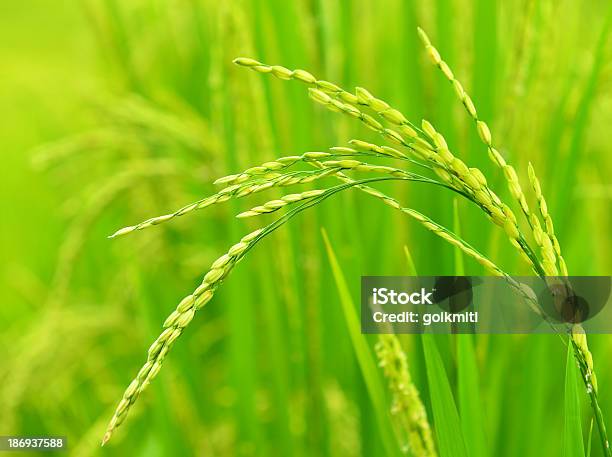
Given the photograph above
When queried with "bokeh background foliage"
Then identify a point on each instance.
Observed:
(138, 108)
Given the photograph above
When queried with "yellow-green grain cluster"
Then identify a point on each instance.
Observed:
(552, 261)
(237, 189)
(275, 205)
(407, 409)
(483, 129)
(174, 327)
(551, 250)
(337, 99)
(423, 146)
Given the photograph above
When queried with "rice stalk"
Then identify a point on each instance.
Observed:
(473, 181)
(185, 311)
(275, 205)
(233, 191)
(452, 238)
(427, 145)
(175, 325)
(262, 177)
(483, 129)
(176, 322)
(547, 241)
(584, 359)
(337, 99)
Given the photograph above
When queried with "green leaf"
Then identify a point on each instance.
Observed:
(411, 267)
(590, 439)
(367, 364)
(468, 382)
(446, 419)
(470, 405)
(572, 429)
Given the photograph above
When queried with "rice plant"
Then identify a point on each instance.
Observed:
(414, 152)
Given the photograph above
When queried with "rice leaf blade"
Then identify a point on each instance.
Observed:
(590, 439)
(364, 356)
(572, 431)
(412, 271)
(470, 405)
(446, 419)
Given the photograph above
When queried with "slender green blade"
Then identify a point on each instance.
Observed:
(470, 405)
(589, 439)
(366, 362)
(446, 419)
(410, 261)
(572, 430)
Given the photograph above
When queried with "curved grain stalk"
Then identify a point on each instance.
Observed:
(420, 146)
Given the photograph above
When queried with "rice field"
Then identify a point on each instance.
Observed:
(135, 132)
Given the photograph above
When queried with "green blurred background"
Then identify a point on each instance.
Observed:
(113, 112)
